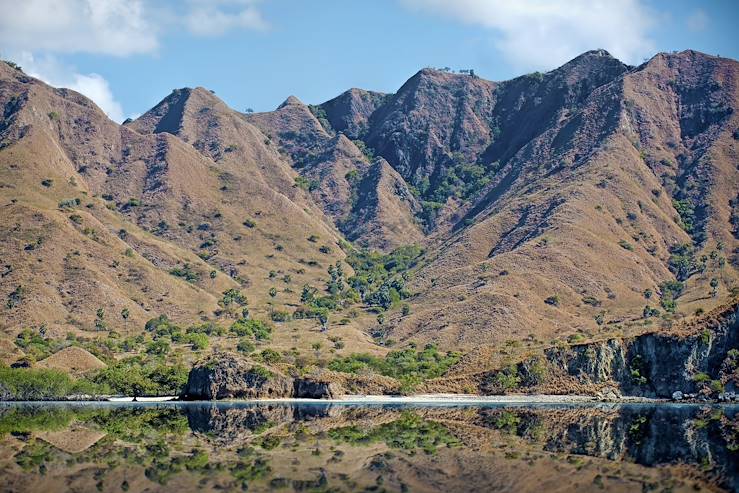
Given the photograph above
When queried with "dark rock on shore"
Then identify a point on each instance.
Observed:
(658, 364)
(229, 377)
(316, 389)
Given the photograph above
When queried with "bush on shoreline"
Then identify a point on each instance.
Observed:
(26, 384)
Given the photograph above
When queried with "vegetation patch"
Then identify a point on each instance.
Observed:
(408, 365)
(29, 384)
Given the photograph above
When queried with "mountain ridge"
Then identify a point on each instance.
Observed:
(547, 205)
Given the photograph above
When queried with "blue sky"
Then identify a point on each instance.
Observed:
(129, 54)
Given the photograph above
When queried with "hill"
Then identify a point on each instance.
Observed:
(595, 200)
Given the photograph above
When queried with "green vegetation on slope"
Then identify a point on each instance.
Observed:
(26, 384)
(408, 365)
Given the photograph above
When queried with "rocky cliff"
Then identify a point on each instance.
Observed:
(228, 376)
(703, 362)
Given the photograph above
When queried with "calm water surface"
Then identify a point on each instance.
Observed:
(324, 447)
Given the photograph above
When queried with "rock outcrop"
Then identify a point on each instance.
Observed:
(232, 377)
(229, 377)
(316, 389)
(698, 360)
(656, 364)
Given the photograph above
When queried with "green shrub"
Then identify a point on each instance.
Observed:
(683, 263)
(575, 338)
(251, 328)
(408, 365)
(209, 328)
(686, 210)
(270, 356)
(199, 341)
(185, 272)
(649, 312)
(69, 203)
(142, 376)
(158, 348)
(233, 296)
(552, 300)
(245, 346)
(27, 384)
(306, 184)
(592, 301)
(670, 290)
(279, 316)
(507, 378)
(717, 386)
(701, 377)
(626, 245)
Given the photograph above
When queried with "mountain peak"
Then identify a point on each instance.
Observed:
(291, 101)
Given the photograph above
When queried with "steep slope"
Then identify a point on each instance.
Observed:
(350, 111)
(333, 169)
(198, 117)
(385, 208)
(594, 200)
(98, 216)
(586, 206)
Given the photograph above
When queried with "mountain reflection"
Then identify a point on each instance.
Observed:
(326, 447)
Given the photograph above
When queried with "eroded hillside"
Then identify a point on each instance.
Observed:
(594, 200)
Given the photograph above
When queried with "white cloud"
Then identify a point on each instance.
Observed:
(111, 27)
(94, 86)
(35, 33)
(116, 27)
(697, 20)
(216, 17)
(542, 34)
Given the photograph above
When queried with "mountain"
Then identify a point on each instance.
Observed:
(597, 199)
(98, 215)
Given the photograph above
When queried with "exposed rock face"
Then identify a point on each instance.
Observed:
(228, 377)
(231, 377)
(316, 389)
(655, 365)
(349, 112)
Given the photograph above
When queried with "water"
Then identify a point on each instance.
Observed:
(184, 447)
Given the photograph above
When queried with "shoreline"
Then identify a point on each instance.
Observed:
(421, 399)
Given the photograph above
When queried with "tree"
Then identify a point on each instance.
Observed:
(158, 347)
(714, 287)
(198, 340)
(308, 294)
(100, 319)
(323, 318)
(124, 315)
(273, 292)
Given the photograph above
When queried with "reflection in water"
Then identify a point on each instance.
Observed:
(325, 447)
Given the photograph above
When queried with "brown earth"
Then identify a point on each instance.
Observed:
(567, 214)
(72, 359)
